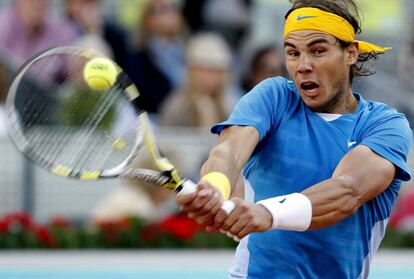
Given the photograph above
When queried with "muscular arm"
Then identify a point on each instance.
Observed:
(360, 176)
(234, 148)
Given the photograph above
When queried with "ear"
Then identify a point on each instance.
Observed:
(352, 53)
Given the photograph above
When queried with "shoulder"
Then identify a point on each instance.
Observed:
(275, 85)
(378, 114)
(387, 132)
(275, 90)
(278, 94)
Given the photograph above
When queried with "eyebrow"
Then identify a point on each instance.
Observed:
(317, 41)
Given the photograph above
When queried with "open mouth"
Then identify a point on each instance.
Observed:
(309, 85)
(310, 88)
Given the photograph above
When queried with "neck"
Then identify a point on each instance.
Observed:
(342, 103)
(351, 103)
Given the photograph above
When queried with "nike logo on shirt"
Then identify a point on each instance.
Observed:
(351, 143)
(282, 201)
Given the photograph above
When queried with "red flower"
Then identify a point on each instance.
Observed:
(3, 226)
(150, 232)
(60, 222)
(123, 223)
(18, 221)
(180, 226)
(105, 224)
(45, 236)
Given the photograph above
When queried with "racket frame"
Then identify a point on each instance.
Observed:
(167, 175)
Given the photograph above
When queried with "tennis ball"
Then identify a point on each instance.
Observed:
(100, 73)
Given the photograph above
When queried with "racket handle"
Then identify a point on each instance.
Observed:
(189, 187)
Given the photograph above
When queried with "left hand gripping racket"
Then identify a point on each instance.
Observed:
(63, 125)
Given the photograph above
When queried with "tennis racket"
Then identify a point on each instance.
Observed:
(72, 130)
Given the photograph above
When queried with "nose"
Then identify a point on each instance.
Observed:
(305, 64)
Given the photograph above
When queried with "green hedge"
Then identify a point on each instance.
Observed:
(397, 239)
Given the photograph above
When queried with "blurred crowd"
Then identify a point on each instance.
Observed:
(191, 60)
(180, 52)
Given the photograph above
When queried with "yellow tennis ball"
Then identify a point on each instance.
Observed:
(100, 73)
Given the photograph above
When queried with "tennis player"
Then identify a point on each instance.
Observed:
(322, 167)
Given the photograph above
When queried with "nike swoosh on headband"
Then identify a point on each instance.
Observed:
(304, 17)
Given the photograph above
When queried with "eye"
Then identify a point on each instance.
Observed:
(319, 51)
(292, 53)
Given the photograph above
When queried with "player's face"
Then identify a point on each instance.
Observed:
(320, 69)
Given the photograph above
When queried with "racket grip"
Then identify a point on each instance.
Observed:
(189, 187)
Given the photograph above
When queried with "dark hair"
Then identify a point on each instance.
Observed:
(348, 10)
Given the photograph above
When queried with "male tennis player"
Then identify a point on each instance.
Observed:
(322, 166)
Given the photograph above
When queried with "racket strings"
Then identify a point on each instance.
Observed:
(39, 133)
(97, 158)
(45, 73)
(117, 147)
(59, 144)
(34, 113)
(88, 139)
(62, 134)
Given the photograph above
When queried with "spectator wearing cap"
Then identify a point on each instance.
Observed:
(205, 98)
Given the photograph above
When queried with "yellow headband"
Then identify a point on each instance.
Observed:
(316, 19)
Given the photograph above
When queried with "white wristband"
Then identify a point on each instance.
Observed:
(290, 212)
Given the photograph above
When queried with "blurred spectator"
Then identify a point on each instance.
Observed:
(231, 18)
(87, 20)
(27, 28)
(157, 64)
(205, 98)
(265, 62)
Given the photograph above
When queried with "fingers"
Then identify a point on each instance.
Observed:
(185, 199)
(244, 219)
(208, 211)
(232, 221)
(201, 205)
(204, 206)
